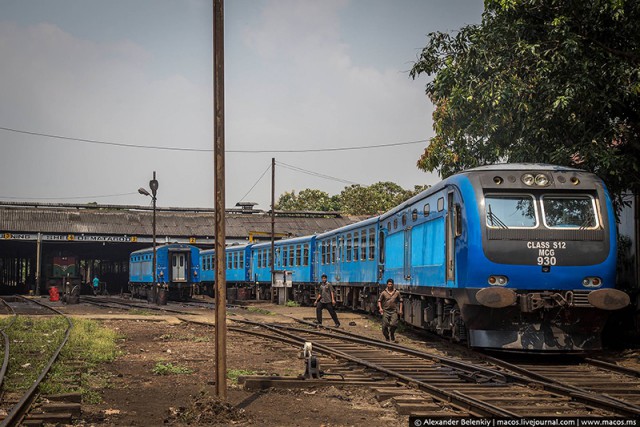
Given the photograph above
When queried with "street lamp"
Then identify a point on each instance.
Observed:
(153, 185)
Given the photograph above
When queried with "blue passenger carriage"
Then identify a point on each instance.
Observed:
(514, 256)
(293, 264)
(349, 258)
(237, 271)
(177, 270)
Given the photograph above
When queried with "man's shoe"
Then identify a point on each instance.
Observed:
(386, 339)
(337, 325)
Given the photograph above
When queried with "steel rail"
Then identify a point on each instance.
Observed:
(5, 361)
(18, 411)
(525, 376)
(460, 400)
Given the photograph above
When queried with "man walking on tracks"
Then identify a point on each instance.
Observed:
(390, 306)
(325, 298)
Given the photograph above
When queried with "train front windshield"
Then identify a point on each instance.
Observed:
(529, 211)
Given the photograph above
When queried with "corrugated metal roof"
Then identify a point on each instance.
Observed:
(182, 223)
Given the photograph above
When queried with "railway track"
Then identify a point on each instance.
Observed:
(426, 384)
(16, 404)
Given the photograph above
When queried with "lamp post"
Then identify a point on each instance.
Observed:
(153, 185)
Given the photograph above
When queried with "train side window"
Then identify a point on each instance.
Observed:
(285, 257)
(395, 223)
(356, 246)
(440, 204)
(341, 248)
(298, 255)
(241, 263)
(414, 215)
(334, 249)
(381, 246)
(323, 248)
(349, 248)
(426, 210)
(363, 245)
(305, 254)
(372, 243)
(235, 260)
(389, 225)
(259, 259)
(404, 219)
(292, 256)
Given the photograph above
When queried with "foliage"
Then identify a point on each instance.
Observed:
(32, 343)
(169, 368)
(374, 199)
(539, 81)
(291, 303)
(233, 374)
(307, 200)
(353, 200)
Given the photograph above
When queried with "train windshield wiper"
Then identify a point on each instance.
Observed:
(494, 221)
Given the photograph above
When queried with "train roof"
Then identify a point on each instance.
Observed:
(519, 167)
(295, 240)
(169, 245)
(360, 224)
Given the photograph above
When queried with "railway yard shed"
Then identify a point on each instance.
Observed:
(95, 240)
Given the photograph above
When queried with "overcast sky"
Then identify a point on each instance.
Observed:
(299, 75)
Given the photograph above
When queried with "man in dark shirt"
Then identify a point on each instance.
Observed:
(390, 306)
(325, 298)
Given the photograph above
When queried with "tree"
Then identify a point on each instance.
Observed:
(374, 199)
(554, 81)
(307, 200)
(353, 200)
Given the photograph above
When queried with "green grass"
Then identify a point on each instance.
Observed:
(142, 312)
(260, 311)
(290, 303)
(32, 343)
(169, 368)
(89, 345)
(233, 374)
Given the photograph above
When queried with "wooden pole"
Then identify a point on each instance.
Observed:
(273, 225)
(221, 283)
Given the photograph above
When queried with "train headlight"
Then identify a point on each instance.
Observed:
(542, 180)
(195, 273)
(497, 280)
(528, 179)
(161, 273)
(592, 282)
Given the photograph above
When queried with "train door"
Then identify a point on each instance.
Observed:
(407, 255)
(452, 231)
(381, 249)
(179, 267)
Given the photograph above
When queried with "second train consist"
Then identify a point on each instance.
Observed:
(512, 256)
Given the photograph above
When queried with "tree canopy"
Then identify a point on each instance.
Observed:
(353, 200)
(307, 200)
(553, 81)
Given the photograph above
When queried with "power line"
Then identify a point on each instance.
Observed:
(66, 198)
(256, 183)
(316, 174)
(207, 150)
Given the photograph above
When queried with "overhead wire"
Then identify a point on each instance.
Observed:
(67, 198)
(209, 150)
(316, 174)
(256, 183)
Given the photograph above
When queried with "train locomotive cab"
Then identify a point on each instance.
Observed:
(541, 259)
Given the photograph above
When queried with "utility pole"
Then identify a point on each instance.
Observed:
(273, 225)
(218, 153)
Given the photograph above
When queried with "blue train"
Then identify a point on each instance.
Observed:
(177, 271)
(512, 256)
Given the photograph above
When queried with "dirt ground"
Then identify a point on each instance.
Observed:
(134, 396)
